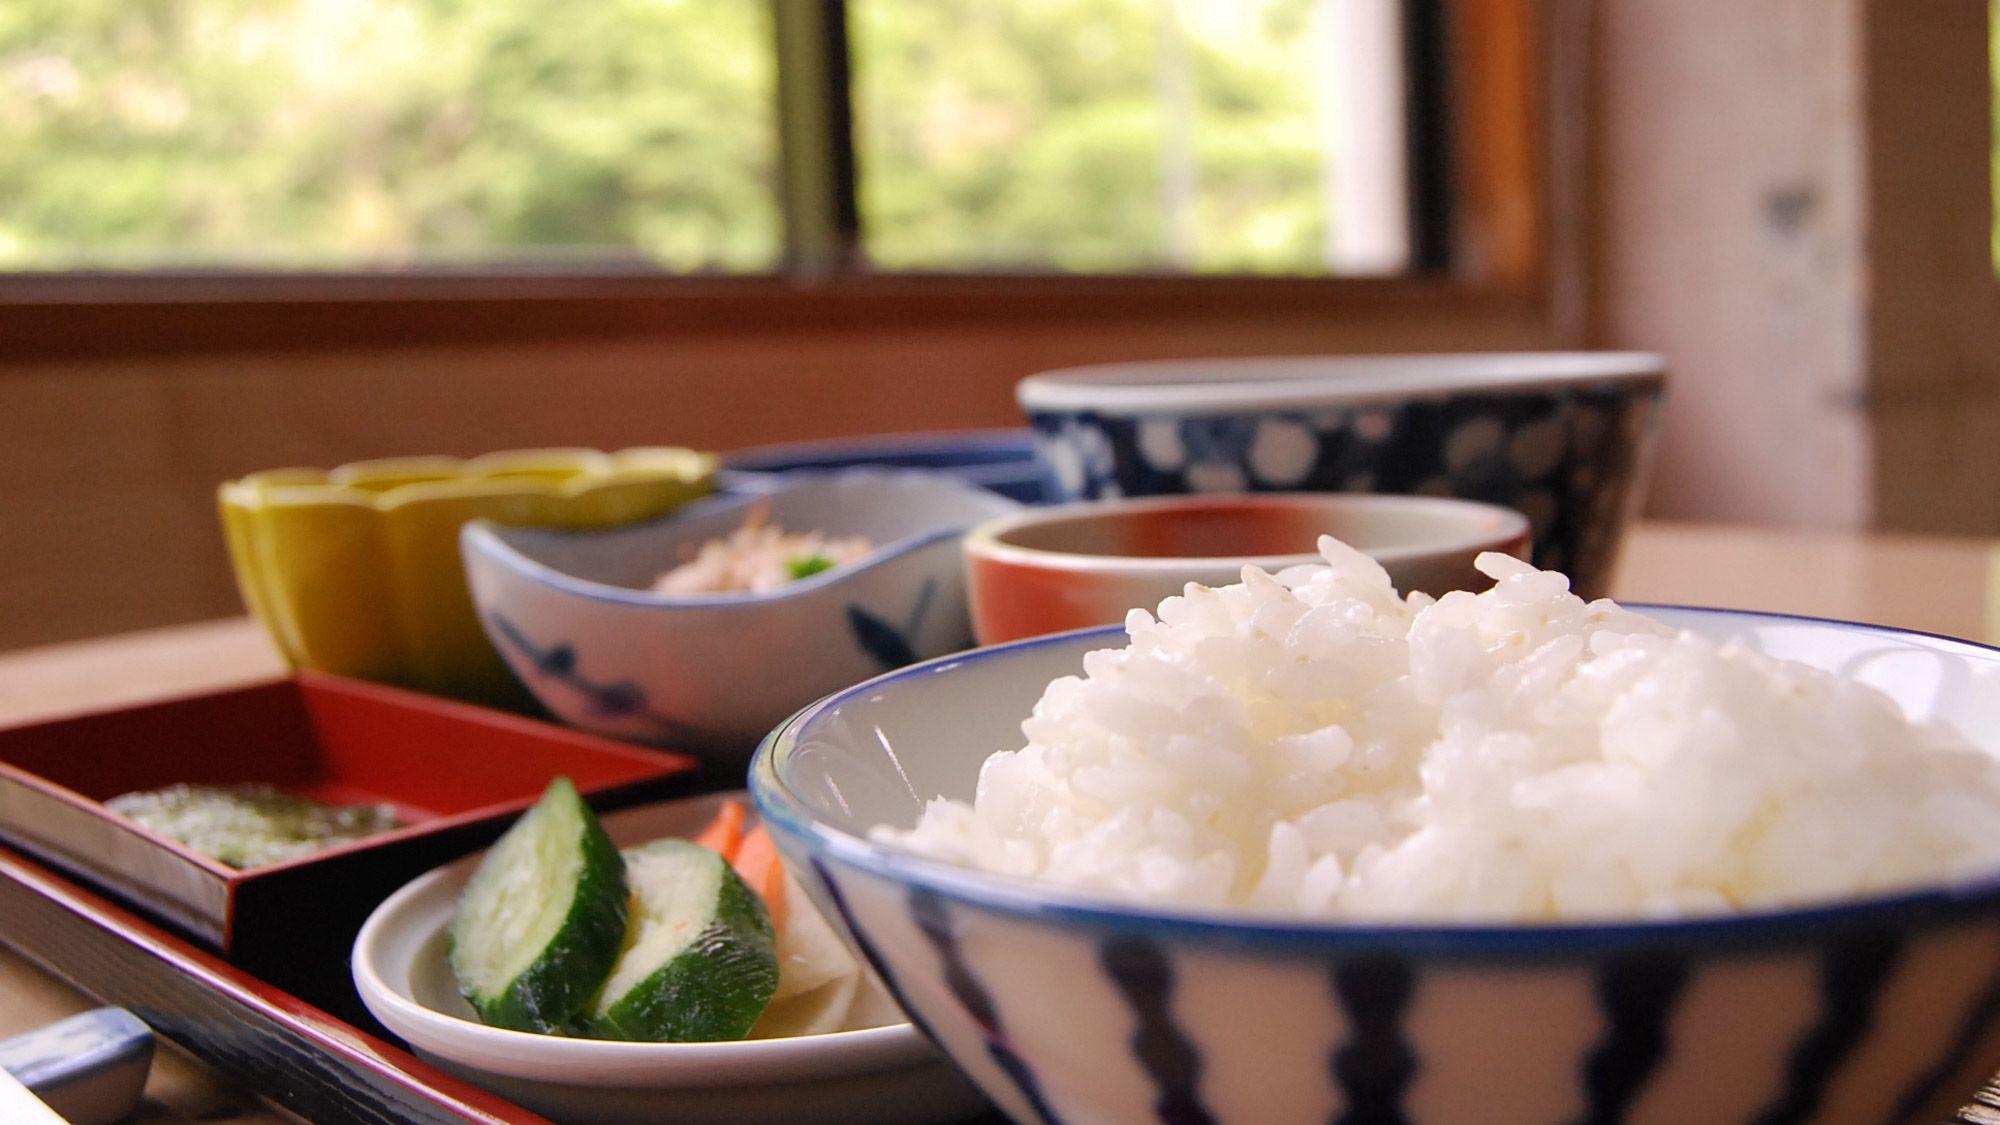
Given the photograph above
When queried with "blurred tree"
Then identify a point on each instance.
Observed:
(1006, 134)
(385, 132)
(341, 133)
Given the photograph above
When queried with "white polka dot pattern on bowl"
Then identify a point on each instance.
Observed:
(1571, 457)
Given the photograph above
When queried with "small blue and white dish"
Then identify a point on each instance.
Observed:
(1069, 1007)
(1002, 460)
(1565, 438)
(574, 615)
(90, 1069)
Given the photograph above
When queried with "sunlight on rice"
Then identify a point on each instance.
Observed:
(1311, 742)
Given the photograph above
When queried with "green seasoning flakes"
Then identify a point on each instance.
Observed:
(251, 825)
(807, 566)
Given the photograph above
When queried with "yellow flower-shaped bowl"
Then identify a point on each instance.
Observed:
(356, 570)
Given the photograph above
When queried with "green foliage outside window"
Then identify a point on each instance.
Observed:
(384, 132)
(1010, 134)
(1078, 135)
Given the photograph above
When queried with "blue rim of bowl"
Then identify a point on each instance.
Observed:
(956, 449)
(1258, 383)
(1020, 897)
(1001, 460)
(484, 536)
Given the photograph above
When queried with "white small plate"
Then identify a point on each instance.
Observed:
(891, 1075)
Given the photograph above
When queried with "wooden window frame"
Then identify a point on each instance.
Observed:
(1518, 65)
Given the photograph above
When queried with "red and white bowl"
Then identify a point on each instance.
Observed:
(1048, 570)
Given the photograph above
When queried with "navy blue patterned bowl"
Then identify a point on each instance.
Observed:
(1563, 437)
(1001, 460)
(1071, 1008)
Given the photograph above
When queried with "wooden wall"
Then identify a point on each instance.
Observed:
(1789, 198)
(1731, 234)
(1934, 316)
(108, 469)
(1793, 199)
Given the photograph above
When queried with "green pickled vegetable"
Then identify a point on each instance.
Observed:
(541, 922)
(700, 959)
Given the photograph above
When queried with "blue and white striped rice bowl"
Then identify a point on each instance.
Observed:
(1069, 1008)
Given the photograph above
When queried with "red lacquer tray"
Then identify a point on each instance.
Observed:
(458, 774)
(261, 1037)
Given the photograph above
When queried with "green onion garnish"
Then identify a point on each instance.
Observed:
(807, 565)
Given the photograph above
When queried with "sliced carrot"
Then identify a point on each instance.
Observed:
(752, 854)
(724, 834)
(757, 861)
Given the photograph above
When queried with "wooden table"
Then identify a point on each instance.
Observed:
(1932, 584)
(1940, 585)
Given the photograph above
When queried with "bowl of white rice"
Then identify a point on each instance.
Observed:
(1301, 849)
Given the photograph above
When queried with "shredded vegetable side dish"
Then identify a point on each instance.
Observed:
(760, 556)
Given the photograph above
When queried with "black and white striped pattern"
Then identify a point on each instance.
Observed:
(1882, 1012)
(1878, 1025)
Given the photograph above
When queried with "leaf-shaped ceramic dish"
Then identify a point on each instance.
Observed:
(575, 616)
(356, 571)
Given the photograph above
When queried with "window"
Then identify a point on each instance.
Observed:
(413, 171)
(357, 134)
(1105, 136)
(1075, 136)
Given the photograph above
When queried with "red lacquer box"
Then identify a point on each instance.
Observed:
(457, 774)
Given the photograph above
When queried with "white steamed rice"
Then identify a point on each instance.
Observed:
(1311, 743)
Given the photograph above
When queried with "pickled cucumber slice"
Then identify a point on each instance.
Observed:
(700, 961)
(541, 922)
